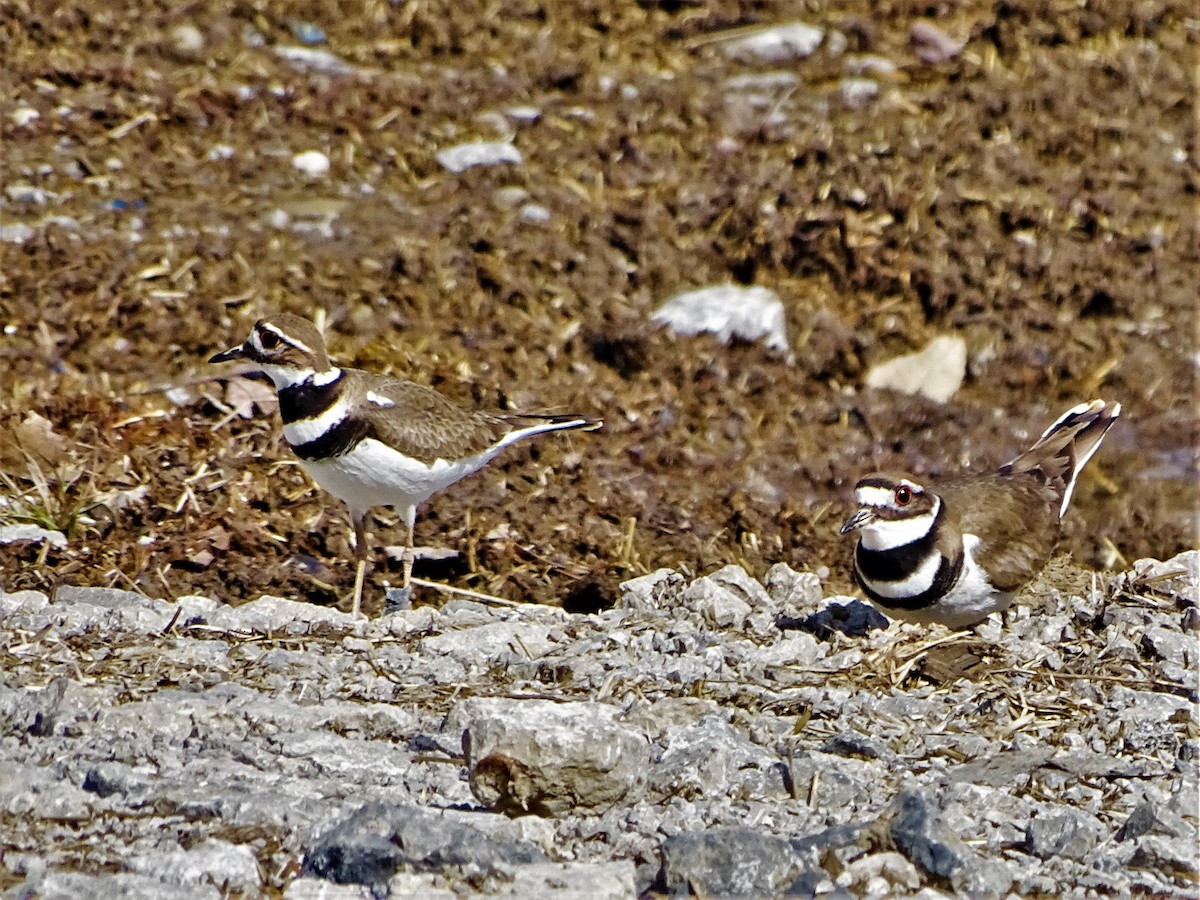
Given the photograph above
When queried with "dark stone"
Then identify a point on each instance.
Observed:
(727, 862)
(854, 619)
(373, 843)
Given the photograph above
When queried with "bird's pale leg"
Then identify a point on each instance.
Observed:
(360, 551)
(410, 554)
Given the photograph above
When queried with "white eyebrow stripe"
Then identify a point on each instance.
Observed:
(287, 339)
(874, 496)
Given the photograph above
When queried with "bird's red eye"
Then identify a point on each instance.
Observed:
(268, 339)
(903, 495)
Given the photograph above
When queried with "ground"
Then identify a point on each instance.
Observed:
(1033, 193)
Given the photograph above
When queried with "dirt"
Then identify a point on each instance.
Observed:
(1034, 193)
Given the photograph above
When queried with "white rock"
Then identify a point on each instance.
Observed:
(461, 157)
(308, 58)
(23, 115)
(727, 310)
(778, 44)
(936, 371)
(857, 91)
(16, 234)
(312, 163)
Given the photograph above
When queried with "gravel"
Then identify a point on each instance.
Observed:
(702, 736)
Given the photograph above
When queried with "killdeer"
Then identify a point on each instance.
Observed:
(371, 440)
(957, 551)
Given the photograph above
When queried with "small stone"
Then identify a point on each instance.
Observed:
(187, 40)
(857, 91)
(480, 153)
(312, 163)
(729, 311)
(24, 115)
(778, 44)
(534, 213)
(648, 592)
(719, 606)
(1071, 833)
(936, 371)
(800, 591)
(305, 58)
(931, 44)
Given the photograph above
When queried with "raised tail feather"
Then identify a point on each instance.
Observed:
(1066, 446)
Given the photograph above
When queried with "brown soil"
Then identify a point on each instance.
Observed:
(1034, 194)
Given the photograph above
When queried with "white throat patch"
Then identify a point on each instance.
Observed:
(885, 534)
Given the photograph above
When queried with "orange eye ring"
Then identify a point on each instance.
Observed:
(903, 495)
(268, 339)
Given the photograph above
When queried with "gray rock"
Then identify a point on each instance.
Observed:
(738, 581)
(109, 598)
(718, 605)
(228, 867)
(570, 881)
(729, 311)
(914, 828)
(712, 758)
(38, 792)
(728, 862)
(276, 615)
(320, 889)
(1149, 817)
(374, 842)
(647, 591)
(1067, 832)
(549, 758)
(1170, 646)
(61, 885)
(15, 534)
(797, 591)
(493, 641)
(936, 371)
(1173, 856)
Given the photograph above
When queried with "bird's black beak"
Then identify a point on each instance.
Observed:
(238, 352)
(860, 518)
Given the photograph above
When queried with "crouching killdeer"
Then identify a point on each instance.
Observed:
(956, 551)
(371, 440)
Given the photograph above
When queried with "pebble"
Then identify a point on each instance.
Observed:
(777, 44)
(729, 311)
(312, 163)
(461, 157)
(936, 371)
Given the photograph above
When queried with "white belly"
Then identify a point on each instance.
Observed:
(373, 474)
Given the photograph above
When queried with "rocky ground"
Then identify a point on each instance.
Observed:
(716, 735)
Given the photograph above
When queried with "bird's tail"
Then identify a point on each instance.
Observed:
(1065, 447)
(524, 426)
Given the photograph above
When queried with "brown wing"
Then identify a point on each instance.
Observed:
(421, 423)
(1019, 517)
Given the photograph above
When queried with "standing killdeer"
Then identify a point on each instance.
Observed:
(957, 551)
(371, 440)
